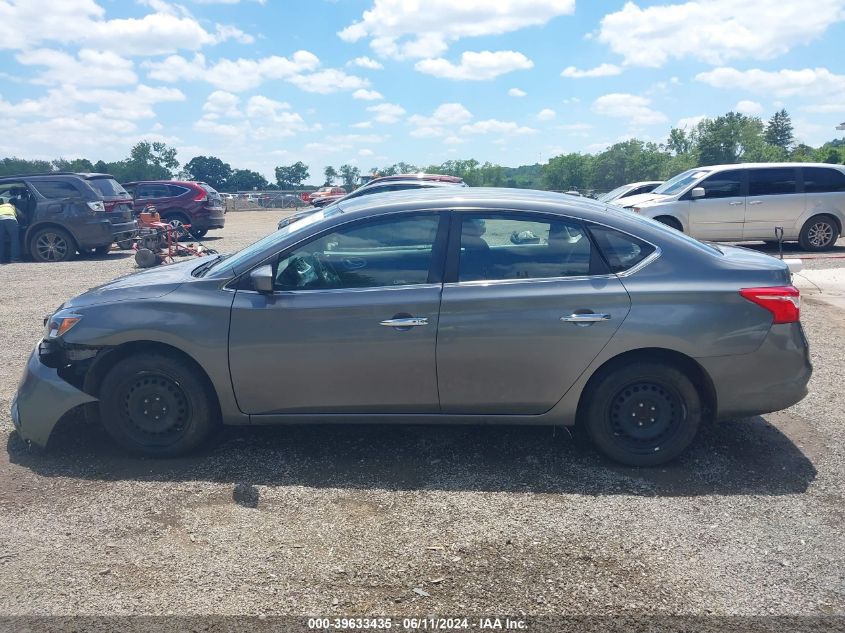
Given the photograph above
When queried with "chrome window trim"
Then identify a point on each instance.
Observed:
(330, 291)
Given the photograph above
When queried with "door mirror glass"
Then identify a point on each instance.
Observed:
(262, 278)
(697, 192)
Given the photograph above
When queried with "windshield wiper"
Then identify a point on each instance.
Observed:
(203, 268)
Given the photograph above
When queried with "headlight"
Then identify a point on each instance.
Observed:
(60, 324)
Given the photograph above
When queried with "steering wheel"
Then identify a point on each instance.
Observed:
(327, 274)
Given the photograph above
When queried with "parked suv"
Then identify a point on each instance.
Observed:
(733, 203)
(181, 202)
(61, 213)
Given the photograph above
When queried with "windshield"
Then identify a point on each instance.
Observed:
(108, 187)
(611, 195)
(680, 182)
(236, 260)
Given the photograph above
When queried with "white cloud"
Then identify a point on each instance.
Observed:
(402, 29)
(367, 95)
(262, 118)
(363, 125)
(748, 107)
(445, 114)
(602, 70)
(627, 106)
(494, 126)
(365, 62)
(328, 81)
(690, 122)
(387, 112)
(479, 66)
(546, 114)
(516, 92)
(365, 152)
(221, 103)
(714, 31)
(88, 68)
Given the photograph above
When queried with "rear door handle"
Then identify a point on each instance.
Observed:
(736, 203)
(405, 322)
(756, 202)
(585, 319)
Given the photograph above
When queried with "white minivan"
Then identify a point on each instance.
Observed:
(734, 203)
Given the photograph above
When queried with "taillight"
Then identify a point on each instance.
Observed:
(201, 194)
(784, 302)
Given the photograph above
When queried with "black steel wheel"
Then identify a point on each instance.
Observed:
(52, 244)
(643, 414)
(156, 405)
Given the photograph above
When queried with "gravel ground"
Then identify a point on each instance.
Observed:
(414, 520)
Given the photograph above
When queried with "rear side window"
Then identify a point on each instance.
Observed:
(176, 190)
(620, 250)
(495, 247)
(55, 189)
(823, 180)
(108, 187)
(725, 184)
(772, 182)
(154, 191)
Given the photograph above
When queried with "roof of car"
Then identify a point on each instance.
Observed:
(761, 165)
(54, 174)
(417, 176)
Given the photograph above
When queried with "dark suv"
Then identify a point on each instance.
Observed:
(61, 213)
(180, 202)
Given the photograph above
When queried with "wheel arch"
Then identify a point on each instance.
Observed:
(107, 359)
(688, 365)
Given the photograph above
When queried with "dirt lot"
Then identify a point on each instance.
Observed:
(352, 520)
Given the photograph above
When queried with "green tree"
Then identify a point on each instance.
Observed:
(729, 138)
(349, 175)
(13, 166)
(245, 180)
(291, 176)
(149, 161)
(209, 169)
(79, 165)
(779, 131)
(331, 175)
(680, 141)
(567, 171)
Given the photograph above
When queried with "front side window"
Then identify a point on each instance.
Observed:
(55, 189)
(823, 180)
(382, 253)
(725, 184)
(499, 247)
(773, 181)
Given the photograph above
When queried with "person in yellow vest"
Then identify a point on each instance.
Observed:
(9, 229)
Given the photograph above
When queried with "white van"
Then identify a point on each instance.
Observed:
(734, 203)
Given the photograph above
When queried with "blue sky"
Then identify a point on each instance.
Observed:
(372, 82)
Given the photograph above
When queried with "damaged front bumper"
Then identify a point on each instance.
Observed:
(43, 397)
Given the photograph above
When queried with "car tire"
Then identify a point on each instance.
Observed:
(199, 233)
(157, 405)
(670, 221)
(52, 244)
(643, 413)
(178, 222)
(819, 233)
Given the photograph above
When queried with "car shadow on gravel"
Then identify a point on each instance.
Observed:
(743, 457)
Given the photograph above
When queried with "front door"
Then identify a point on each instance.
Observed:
(351, 326)
(720, 214)
(523, 313)
(773, 201)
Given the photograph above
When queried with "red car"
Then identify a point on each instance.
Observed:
(181, 202)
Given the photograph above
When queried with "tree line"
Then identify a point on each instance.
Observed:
(730, 138)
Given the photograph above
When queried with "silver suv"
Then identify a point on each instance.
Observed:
(733, 203)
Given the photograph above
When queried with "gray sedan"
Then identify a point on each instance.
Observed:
(434, 306)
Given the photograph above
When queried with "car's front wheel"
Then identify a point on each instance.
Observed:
(643, 414)
(157, 405)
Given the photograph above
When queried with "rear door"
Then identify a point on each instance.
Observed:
(720, 214)
(351, 326)
(773, 201)
(528, 304)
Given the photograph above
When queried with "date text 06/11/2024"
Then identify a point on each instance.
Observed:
(417, 624)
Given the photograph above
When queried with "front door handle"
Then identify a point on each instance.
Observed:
(405, 322)
(756, 202)
(736, 203)
(587, 318)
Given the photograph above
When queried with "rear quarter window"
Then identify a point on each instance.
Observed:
(823, 180)
(108, 187)
(55, 189)
(620, 250)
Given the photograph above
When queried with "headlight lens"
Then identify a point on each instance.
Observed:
(60, 324)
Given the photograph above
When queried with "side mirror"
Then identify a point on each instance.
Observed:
(262, 278)
(697, 192)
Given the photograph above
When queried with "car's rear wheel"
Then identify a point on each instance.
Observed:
(178, 222)
(819, 233)
(199, 233)
(643, 414)
(52, 244)
(156, 405)
(670, 221)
